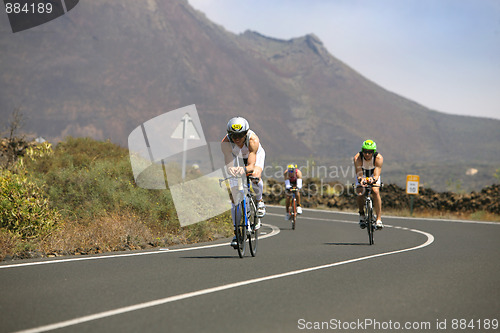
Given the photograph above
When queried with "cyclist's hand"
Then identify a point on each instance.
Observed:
(363, 181)
(371, 180)
(236, 171)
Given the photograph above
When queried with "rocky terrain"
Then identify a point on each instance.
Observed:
(108, 66)
(336, 195)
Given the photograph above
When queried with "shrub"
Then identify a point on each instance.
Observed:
(24, 208)
(90, 187)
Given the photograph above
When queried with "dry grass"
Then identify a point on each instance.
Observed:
(435, 214)
(107, 234)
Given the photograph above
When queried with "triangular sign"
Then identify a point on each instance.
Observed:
(191, 132)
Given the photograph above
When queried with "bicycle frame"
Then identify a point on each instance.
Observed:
(369, 219)
(293, 206)
(245, 209)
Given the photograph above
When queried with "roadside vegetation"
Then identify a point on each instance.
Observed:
(80, 198)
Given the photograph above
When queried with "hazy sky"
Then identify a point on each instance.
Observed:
(443, 54)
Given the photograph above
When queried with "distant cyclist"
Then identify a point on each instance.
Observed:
(241, 141)
(368, 164)
(293, 179)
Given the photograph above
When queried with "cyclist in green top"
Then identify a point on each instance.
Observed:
(368, 164)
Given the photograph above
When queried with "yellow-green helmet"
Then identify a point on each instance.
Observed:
(291, 167)
(369, 145)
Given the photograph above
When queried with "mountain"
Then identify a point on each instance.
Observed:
(106, 67)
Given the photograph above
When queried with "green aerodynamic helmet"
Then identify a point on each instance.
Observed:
(369, 145)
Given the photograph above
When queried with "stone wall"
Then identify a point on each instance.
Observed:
(336, 195)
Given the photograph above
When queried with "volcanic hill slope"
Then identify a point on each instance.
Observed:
(108, 66)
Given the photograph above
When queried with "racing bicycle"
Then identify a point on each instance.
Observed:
(245, 216)
(293, 206)
(370, 218)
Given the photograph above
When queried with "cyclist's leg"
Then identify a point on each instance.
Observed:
(235, 214)
(299, 208)
(259, 187)
(360, 199)
(236, 197)
(377, 206)
(287, 201)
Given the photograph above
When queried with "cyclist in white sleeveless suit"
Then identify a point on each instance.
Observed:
(368, 164)
(241, 141)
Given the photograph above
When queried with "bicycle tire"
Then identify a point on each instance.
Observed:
(369, 222)
(253, 235)
(241, 232)
(294, 212)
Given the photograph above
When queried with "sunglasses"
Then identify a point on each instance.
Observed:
(367, 151)
(238, 136)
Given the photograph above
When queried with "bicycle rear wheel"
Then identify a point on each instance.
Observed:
(253, 235)
(241, 232)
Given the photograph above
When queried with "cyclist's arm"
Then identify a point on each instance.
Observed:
(229, 158)
(253, 146)
(227, 151)
(358, 166)
(378, 168)
(299, 179)
(287, 180)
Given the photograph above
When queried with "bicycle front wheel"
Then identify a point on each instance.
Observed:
(241, 232)
(253, 235)
(369, 222)
(294, 212)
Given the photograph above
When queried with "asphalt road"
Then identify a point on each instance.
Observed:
(420, 275)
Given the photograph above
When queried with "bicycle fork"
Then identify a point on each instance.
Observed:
(368, 210)
(238, 210)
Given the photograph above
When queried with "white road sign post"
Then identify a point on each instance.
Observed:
(412, 185)
(185, 130)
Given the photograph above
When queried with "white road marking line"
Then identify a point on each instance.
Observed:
(96, 316)
(385, 216)
(274, 232)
